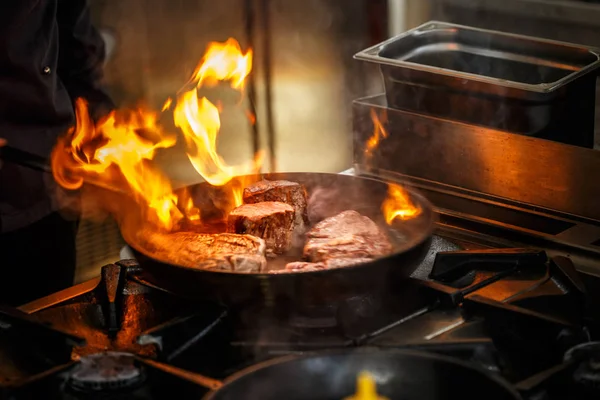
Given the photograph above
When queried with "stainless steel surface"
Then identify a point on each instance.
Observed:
(550, 12)
(497, 58)
(507, 187)
(524, 169)
(572, 21)
(503, 81)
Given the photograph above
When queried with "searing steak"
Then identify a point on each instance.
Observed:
(291, 193)
(304, 266)
(344, 237)
(270, 220)
(330, 263)
(223, 251)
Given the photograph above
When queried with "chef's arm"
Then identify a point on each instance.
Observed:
(81, 56)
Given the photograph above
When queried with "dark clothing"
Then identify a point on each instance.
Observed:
(37, 260)
(49, 55)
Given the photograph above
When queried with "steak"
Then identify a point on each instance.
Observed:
(344, 237)
(291, 193)
(330, 263)
(223, 251)
(304, 266)
(272, 221)
(345, 262)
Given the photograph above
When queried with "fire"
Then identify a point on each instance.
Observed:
(200, 123)
(186, 202)
(167, 104)
(118, 151)
(224, 62)
(379, 133)
(115, 153)
(398, 205)
(199, 119)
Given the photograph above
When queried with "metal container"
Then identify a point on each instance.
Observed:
(503, 81)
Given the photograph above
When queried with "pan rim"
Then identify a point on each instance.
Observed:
(365, 350)
(431, 219)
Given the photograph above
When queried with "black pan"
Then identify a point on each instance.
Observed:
(328, 195)
(399, 375)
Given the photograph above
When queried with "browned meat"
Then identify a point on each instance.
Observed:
(328, 264)
(345, 262)
(347, 235)
(272, 221)
(304, 266)
(247, 262)
(223, 251)
(291, 193)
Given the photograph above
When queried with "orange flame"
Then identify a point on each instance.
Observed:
(379, 133)
(398, 205)
(118, 151)
(167, 104)
(199, 119)
(224, 62)
(114, 153)
(200, 123)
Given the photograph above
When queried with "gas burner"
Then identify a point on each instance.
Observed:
(587, 358)
(106, 372)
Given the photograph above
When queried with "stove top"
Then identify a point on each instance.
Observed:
(517, 312)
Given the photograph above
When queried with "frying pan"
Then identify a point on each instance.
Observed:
(328, 194)
(399, 375)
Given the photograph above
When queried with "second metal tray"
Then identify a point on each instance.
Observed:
(499, 80)
(497, 58)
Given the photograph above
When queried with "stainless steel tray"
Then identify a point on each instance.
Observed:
(497, 58)
(498, 80)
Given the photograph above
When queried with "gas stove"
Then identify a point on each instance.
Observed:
(518, 312)
(511, 282)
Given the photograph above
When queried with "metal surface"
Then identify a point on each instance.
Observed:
(514, 83)
(332, 375)
(477, 162)
(299, 288)
(496, 58)
(571, 21)
(196, 378)
(58, 297)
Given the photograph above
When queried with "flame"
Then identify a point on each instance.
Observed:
(238, 185)
(251, 117)
(224, 62)
(118, 151)
(199, 119)
(167, 104)
(366, 388)
(398, 205)
(379, 133)
(186, 202)
(114, 153)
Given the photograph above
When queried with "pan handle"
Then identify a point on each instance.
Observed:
(24, 159)
(38, 163)
(198, 379)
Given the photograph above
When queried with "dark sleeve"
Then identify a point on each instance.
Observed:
(81, 56)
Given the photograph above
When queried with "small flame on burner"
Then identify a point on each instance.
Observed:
(398, 205)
